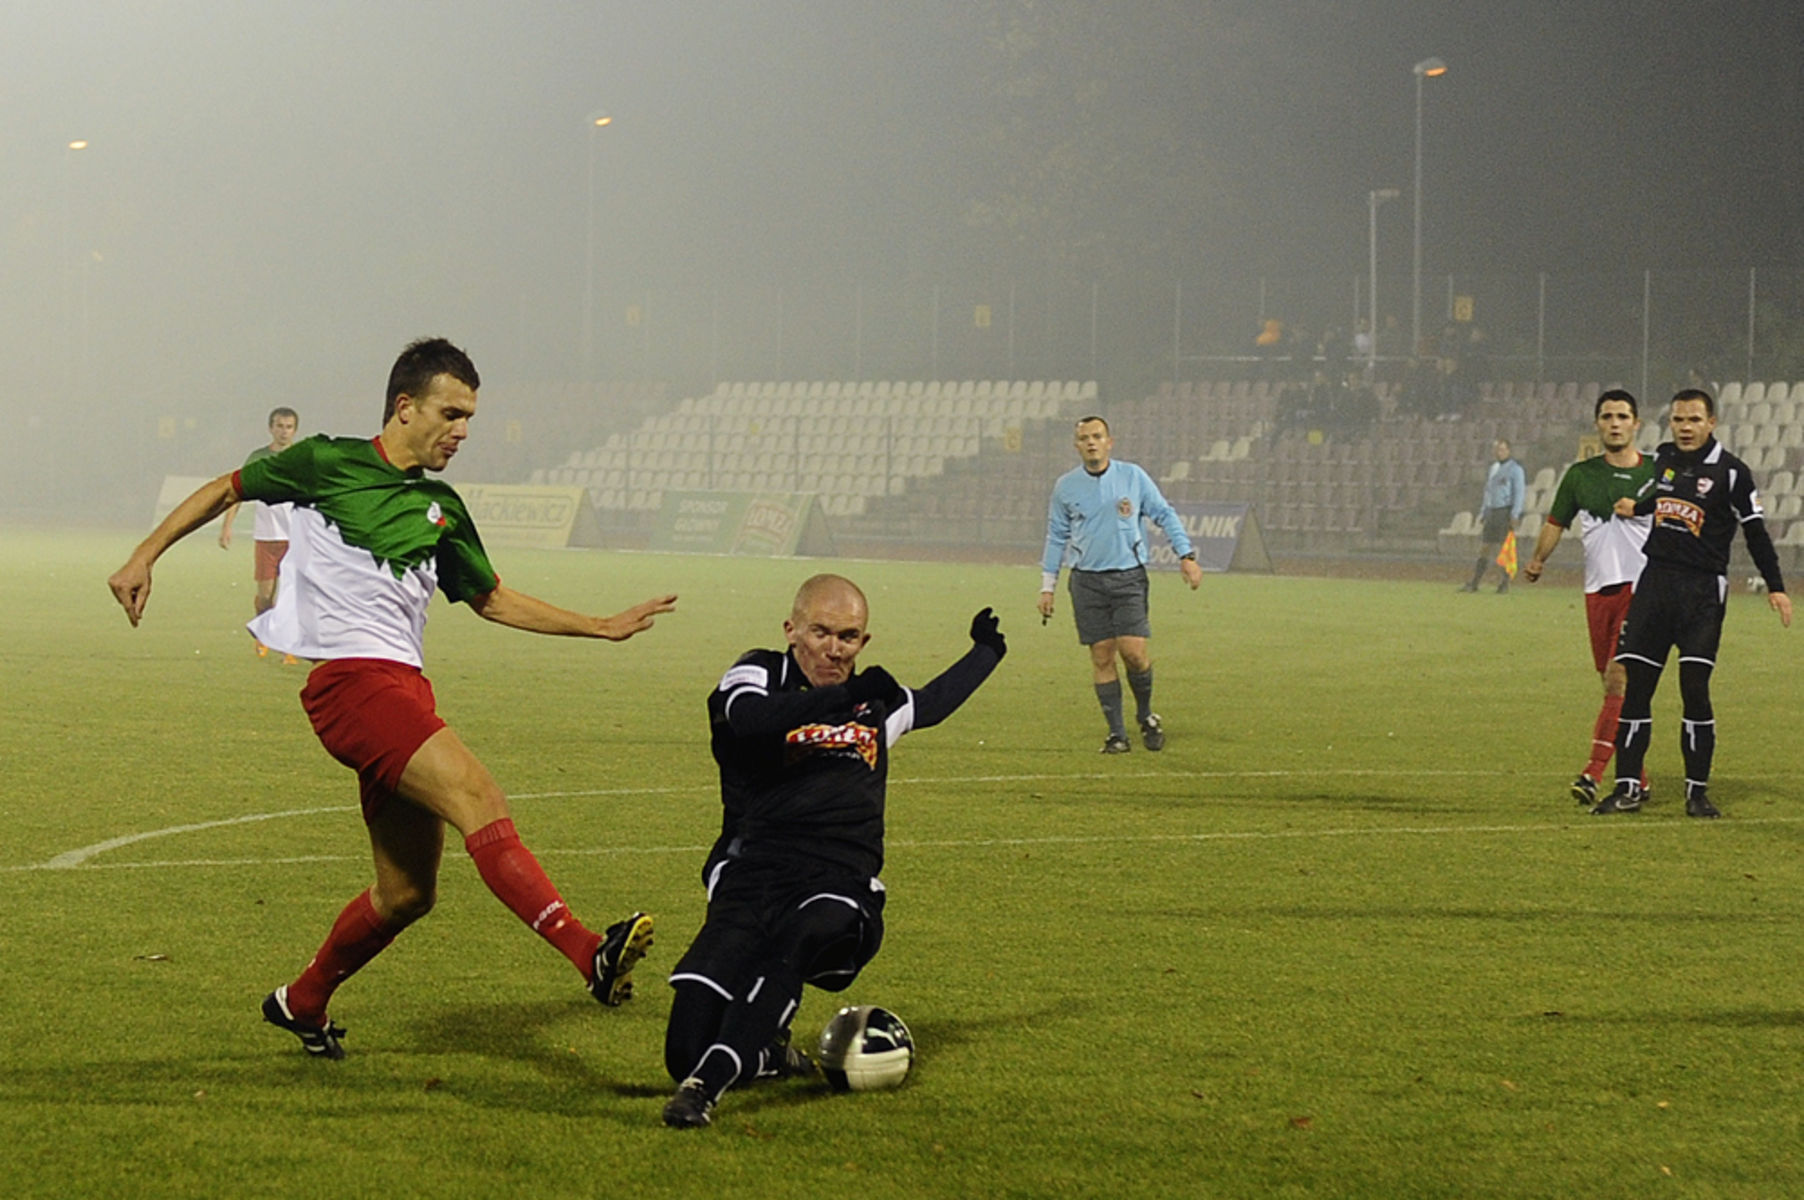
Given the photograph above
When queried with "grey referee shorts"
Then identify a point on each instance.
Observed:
(1109, 604)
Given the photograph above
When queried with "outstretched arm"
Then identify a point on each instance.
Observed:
(517, 610)
(131, 583)
(953, 686)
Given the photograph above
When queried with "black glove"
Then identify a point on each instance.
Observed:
(874, 683)
(985, 632)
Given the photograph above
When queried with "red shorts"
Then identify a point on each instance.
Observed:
(268, 560)
(371, 715)
(1604, 614)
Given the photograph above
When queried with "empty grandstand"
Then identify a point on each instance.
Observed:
(969, 464)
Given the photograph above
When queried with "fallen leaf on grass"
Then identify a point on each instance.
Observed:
(1302, 1122)
(1507, 1085)
(1666, 1170)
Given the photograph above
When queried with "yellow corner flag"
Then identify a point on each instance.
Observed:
(1506, 557)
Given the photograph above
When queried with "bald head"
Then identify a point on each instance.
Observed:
(836, 589)
(826, 628)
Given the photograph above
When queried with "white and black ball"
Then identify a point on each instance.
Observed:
(865, 1048)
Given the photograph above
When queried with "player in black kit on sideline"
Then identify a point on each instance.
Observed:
(1699, 495)
(802, 739)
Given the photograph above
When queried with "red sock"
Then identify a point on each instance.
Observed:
(516, 878)
(1603, 737)
(358, 935)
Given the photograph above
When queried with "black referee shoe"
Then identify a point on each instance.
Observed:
(1697, 804)
(1625, 799)
(1152, 733)
(611, 974)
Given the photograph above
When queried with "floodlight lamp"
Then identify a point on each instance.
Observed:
(1431, 67)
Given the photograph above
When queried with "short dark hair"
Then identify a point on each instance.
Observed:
(1087, 420)
(421, 363)
(283, 412)
(1696, 394)
(1621, 394)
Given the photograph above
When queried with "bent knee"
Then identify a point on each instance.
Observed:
(405, 904)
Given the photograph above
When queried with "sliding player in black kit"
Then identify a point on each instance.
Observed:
(802, 739)
(1699, 495)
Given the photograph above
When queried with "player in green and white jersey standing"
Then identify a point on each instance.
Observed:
(372, 537)
(1587, 494)
(269, 536)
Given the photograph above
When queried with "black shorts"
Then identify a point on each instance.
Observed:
(1497, 522)
(1109, 604)
(1673, 607)
(827, 926)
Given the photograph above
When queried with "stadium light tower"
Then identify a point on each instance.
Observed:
(1373, 199)
(72, 349)
(1428, 68)
(597, 122)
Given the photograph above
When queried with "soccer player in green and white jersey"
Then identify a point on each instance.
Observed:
(1613, 558)
(372, 538)
(270, 535)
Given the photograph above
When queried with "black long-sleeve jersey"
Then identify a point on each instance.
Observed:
(803, 770)
(1698, 499)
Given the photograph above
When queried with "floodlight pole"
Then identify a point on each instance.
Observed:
(1373, 199)
(1428, 68)
(597, 121)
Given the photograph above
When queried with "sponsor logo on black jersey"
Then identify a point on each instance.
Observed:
(853, 738)
(1670, 510)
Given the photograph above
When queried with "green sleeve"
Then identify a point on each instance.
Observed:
(1565, 501)
(290, 475)
(464, 571)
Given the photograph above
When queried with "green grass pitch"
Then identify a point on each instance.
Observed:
(1346, 936)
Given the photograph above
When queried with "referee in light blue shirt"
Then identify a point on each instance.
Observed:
(1096, 518)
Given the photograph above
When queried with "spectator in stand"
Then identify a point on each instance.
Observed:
(1474, 364)
(1362, 341)
(1356, 405)
(1269, 344)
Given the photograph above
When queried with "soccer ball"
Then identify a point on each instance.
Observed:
(864, 1048)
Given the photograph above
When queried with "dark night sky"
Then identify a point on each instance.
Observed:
(280, 195)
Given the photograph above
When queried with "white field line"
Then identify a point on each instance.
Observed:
(81, 857)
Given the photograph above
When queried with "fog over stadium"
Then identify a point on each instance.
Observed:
(274, 198)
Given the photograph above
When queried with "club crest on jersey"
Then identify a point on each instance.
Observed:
(1704, 485)
(435, 514)
(861, 739)
(1125, 507)
(1666, 476)
(1670, 510)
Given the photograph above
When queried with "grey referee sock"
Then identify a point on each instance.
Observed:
(1109, 696)
(1141, 685)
